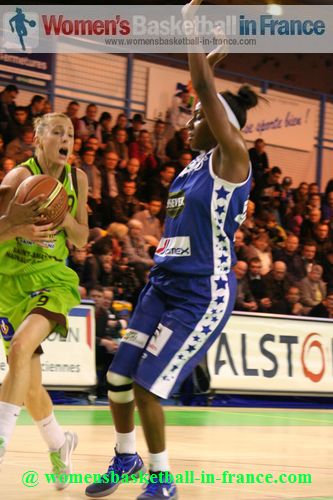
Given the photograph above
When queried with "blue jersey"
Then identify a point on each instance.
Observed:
(203, 214)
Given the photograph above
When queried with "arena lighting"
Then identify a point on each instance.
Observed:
(274, 9)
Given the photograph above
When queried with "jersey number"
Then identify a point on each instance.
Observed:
(43, 299)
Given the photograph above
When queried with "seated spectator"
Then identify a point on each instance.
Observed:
(290, 304)
(77, 261)
(267, 191)
(126, 204)
(327, 210)
(245, 300)
(104, 130)
(87, 126)
(324, 309)
(309, 224)
(327, 264)
(259, 159)
(260, 247)
(159, 141)
(7, 165)
(110, 185)
(294, 219)
(47, 108)
(257, 285)
(277, 283)
(17, 125)
(308, 254)
(179, 143)
(184, 160)
(94, 187)
(312, 287)
(249, 225)
(93, 143)
(158, 187)
(276, 233)
(99, 264)
(314, 201)
(151, 225)
(239, 245)
(290, 256)
(322, 238)
(133, 132)
(119, 146)
(131, 173)
(301, 196)
(121, 123)
(286, 199)
(76, 160)
(35, 108)
(22, 148)
(135, 249)
(72, 111)
(142, 149)
(314, 188)
(7, 106)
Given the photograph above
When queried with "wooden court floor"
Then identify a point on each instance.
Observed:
(241, 441)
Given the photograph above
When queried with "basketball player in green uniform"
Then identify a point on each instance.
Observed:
(37, 289)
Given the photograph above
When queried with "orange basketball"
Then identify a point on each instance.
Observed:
(55, 206)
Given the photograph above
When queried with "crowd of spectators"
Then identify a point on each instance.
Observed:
(284, 247)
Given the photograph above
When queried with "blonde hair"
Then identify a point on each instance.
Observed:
(117, 230)
(42, 122)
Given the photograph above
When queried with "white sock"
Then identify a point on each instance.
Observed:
(159, 462)
(126, 442)
(8, 417)
(51, 432)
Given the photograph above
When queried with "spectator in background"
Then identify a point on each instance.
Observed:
(47, 108)
(121, 123)
(181, 109)
(309, 224)
(327, 264)
(7, 106)
(133, 132)
(327, 209)
(314, 201)
(159, 141)
(8, 164)
(72, 111)
(260, 247)
(99, 264)
(290, 304)
(126, 204)
(301, 196)
(131, 173)
(35, 108)
(294, 219)
(259, 159)
(94, 187)
(119, 146)
(245, 300)
(110, 185)
(135, 249)
(321, 237)
(158, 187)
(324, 309)
(179, 143)
(249, 225)
(77, 261)
(104, 130)
(17, 124)
(93, 143)
(312, 287)
(184, 159)
(314, 188)
(22, 148)
(2, 148)
(307, 261)
(268, 191)
(277, 283)
(88, 124)
(151, 225)
(142, 149)
(239, 245)
(76, 159)
(290, 256)
(257, 285)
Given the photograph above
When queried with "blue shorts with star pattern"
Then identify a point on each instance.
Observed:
(176, 320)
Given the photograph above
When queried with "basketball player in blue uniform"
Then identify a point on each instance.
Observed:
(191, 290)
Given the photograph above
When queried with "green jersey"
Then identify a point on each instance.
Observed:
(21, 256)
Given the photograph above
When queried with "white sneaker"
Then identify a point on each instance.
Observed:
(61, 460)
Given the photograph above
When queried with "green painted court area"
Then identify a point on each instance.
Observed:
(200, 417)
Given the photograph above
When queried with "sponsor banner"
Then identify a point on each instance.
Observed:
(68, 362)
(158, 29)
(35, 70)
(282, 354)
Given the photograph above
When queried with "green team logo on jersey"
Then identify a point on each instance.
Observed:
(175, 204)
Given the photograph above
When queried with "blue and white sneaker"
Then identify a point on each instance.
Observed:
(159, 491)
(122, 463)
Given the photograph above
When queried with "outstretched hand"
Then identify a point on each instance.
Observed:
(188, 11)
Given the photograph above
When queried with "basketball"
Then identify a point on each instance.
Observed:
(55, 206)
(32, 23)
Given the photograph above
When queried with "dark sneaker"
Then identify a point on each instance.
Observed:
(122, 463)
